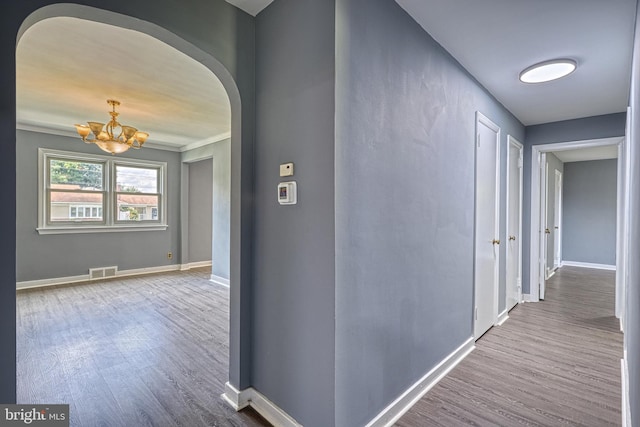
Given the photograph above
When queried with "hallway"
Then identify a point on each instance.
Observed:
(556, 362)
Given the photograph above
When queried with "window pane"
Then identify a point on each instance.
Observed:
(136, 180)
(134, 207)
(75, 175)
(77, 207)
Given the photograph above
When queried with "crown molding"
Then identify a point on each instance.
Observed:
(156, 145)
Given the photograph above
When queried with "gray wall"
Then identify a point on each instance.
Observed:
(632, 332)
(200, 210)
(294, 245)
(589, 211)
(405, 113)
(554, 165)
(83, 251)
(216, 34)
(221, 152)
(607, 126)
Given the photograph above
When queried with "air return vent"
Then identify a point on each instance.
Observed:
(102, 272)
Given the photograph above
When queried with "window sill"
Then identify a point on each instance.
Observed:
(100, 229)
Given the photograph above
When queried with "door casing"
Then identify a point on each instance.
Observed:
(537, 200)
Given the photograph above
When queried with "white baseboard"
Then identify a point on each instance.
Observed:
(220, 280)
(252, 397)
(502, 317)
(406, 400)
(190, 265)
(43, 283)
(550, 273)
(589, 265)
(626, 403)
(529, 298)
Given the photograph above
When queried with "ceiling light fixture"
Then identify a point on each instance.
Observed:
(105, 136)
(548, 70)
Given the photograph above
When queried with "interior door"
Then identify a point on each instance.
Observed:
(514, 223)
(486, 224)
(544, 229)
(557, 220)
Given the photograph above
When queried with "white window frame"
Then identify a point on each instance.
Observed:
(110, 223)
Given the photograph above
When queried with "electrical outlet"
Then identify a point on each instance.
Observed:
(169, 255)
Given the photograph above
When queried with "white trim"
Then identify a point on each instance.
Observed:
(502, 317)
(550, 273)
(155, 144)
(589, 265)
(413, 394)
(197, 264)
(220, 280)
(205, 142)
(626, 402)
(100, 229)
(534, 236)
(239, 400)
(43, 283)
(528, 298)
(557, 207)
(110, 221)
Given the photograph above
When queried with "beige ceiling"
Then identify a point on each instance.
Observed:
(585, 154)
(67, 68)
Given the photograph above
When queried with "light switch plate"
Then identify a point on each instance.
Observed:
(286, 169)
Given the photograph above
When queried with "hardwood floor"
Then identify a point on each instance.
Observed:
(552, 363)
(143, 351)
(152, 351)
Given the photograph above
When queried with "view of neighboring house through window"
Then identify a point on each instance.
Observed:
(92, 191)
(137, 193)
(75, 191)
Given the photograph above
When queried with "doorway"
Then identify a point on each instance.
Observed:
(240, 215)
(540, 225)
(487, 224)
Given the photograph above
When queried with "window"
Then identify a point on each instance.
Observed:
(90, 193)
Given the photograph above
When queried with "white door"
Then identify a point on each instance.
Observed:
(544, 230)
(557, 220)
(486, 224)
(514, 223)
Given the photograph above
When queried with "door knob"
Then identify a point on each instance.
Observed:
(547, 231)
(496, 242)
(512, 237)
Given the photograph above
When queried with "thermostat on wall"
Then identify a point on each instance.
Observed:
(287, 193)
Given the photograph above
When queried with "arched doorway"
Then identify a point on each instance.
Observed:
(241, 179)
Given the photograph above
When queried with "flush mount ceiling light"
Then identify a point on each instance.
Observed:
(113, 138)
(548, 70)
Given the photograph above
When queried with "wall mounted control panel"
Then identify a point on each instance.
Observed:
(288, 193)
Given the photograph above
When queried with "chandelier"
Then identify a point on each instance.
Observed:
(113, 138)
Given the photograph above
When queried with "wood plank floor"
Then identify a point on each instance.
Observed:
(143, 351)
(553, 363)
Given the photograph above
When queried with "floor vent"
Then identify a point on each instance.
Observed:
(102, 272)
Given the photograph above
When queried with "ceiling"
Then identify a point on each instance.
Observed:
(496, 39)
(66, 72)
(585, 154)
(252, 7)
